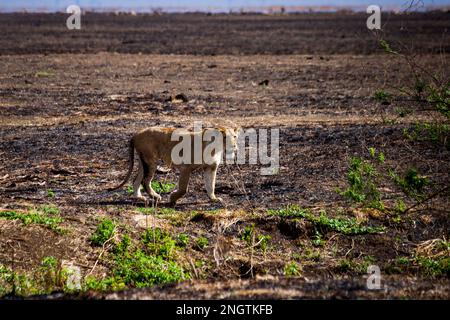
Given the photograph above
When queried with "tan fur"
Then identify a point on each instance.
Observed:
(155, 144)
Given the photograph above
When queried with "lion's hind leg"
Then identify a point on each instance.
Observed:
(149, 169)
(138, 181)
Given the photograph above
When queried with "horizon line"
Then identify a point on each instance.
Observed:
(223, 9)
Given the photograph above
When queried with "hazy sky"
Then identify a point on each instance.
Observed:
(55, 5)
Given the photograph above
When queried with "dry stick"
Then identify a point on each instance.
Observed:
(242, 189)
(251, 256)
(428, 198)
(102, 252)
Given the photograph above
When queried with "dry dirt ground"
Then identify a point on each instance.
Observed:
(70, 101)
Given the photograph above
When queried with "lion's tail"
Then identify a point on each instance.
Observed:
(130, 166)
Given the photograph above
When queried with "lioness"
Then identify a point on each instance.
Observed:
(155, 144)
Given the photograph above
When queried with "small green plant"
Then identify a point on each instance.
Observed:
(318, 240)
(412, 183)
(105, 231)
(247, 234)
(261, 241)
(313, 255)
(400, 206)
(382, 97)
(402, 112)
(202, 243)
(438, 133)
(362, 177)
(159, 187)
(51, 273)
(439, 97)
(50, 193)
(105, 284)
(356, 266)
(292, 269)
(141, 270)
(133, 267)
(426, 266)
(183, 240)
(386, 47)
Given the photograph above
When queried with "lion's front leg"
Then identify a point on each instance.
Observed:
(182, 186)
(210, 182)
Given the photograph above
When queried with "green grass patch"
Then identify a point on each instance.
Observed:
(161, 187)
(158, 186)
(135, 267)
(425, 266)
(347, 226)
(159, 242)
(153, 210)
(50, 221)
(49, 209)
